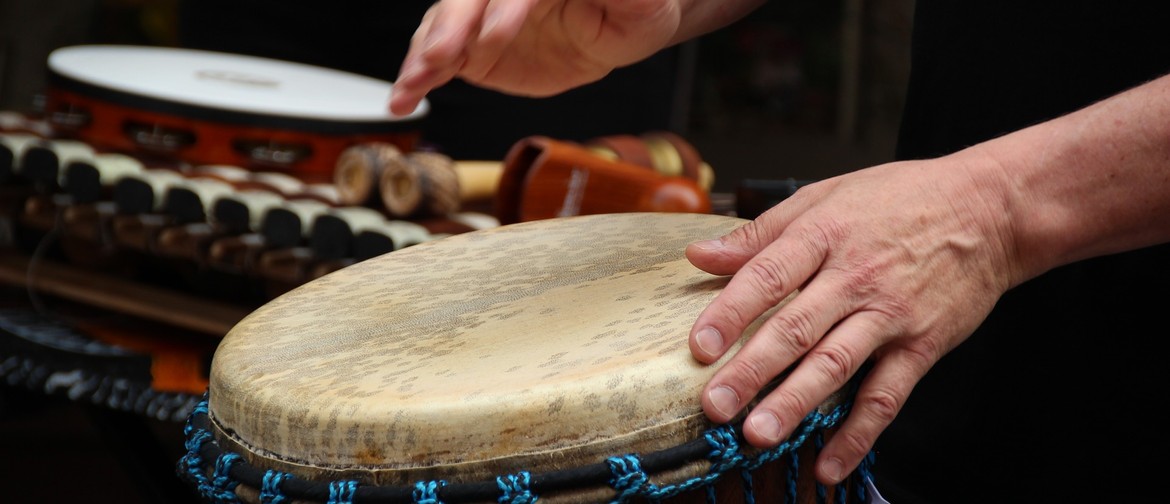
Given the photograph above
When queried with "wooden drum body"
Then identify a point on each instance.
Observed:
(214, 108)
(546, 358)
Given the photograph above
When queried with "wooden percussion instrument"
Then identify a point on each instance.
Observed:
(413, 185)
(44, 161)
(89, 181)
(12, 149)
(545, 358)
(215, 108)
(664, 151)
(545, 178)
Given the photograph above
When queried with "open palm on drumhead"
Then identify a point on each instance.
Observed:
(892, 263)
(530, 47)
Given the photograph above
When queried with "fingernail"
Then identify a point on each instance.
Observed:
(832, 468)
(709, 340)
(709, 245)
(767, 426)
(724, 400)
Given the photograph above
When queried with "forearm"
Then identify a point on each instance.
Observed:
(1090, 183)
(702, 16)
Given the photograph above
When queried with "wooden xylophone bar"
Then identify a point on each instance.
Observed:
(211, 227)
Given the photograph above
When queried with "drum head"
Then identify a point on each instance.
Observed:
(539, 345)
(198, 83)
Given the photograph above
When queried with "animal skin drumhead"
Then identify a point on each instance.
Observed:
(539, 345)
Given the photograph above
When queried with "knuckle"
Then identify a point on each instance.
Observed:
(750, 371)
(924, 352)
(825, 232)
(789, 403)
(492, 40)
(751, 233)
(834, 362)
(474, 73)
(733, 313)
(897, 309)
(862, 277)
(879, 404)
(856, 443)
(794, 328)
(432, 56)
(768, 274)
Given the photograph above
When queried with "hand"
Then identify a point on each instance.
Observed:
(898, 263)
(530, 47)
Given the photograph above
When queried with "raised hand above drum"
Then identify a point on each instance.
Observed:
(530, 47)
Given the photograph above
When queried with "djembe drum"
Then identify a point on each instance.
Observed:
(543, 359)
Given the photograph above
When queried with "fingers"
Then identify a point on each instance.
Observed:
(437, 51)
(777, 343)
(876, 403)
(827, 369)
(759, 285)
(824, 370)
(725, 255)
(502, 22)
(821, 330)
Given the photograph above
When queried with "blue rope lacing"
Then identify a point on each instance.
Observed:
(819, 442)
(341, 492)
(793, 475)
(222, 488)
(270, 492)
(427, 492)
(864, 473)
(192, 462)
(629, 480)
(726, 457)
(514, 489)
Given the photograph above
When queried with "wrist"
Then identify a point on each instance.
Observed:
(1086, 184)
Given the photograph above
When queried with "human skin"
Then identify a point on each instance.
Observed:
(895, 264)
(900, 263)
(541, 47)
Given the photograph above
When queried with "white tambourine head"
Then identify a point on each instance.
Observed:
(231, 82)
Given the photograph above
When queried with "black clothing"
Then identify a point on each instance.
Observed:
(1059, 396)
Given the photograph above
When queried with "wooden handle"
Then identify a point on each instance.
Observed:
(478, 180)
(545, 178)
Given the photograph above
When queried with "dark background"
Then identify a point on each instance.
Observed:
(801, 89)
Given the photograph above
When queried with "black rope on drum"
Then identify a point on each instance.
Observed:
(725, 457)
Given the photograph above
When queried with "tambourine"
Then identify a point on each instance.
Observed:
(216, 108)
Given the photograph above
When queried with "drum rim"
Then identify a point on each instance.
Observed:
(722, 447)
(59, 78)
